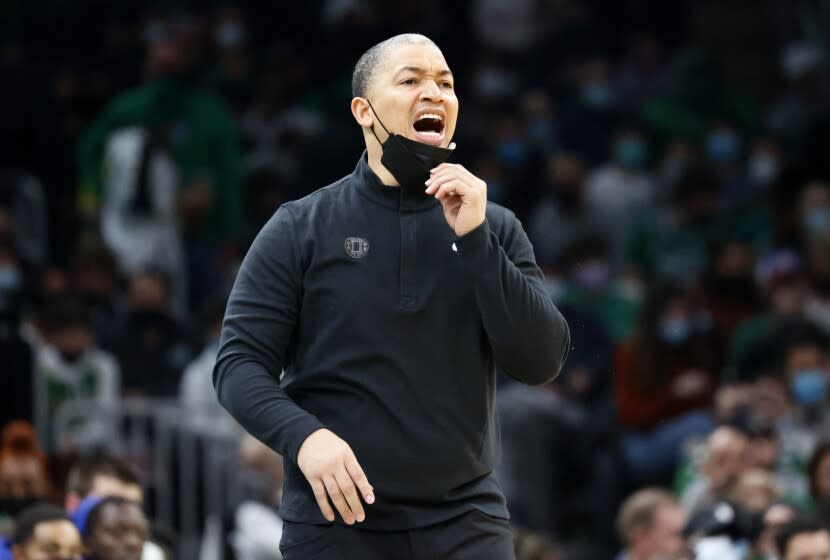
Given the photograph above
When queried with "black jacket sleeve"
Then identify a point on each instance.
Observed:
(528, 335)
(260, 318)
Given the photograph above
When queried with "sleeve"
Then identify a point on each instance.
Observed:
(529, 337)
(259, 321)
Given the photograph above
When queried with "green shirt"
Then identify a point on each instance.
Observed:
(203, 143)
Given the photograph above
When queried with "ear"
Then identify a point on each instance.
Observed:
(362, 113)
(637, 534)
(71, 502)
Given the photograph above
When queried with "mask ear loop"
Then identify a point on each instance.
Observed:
(372, 128)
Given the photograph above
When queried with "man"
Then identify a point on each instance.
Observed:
(112, 528)
(44, 531)
(389, 326)
(101, 475)
(727, 456)
(803, 540)
(651, 523)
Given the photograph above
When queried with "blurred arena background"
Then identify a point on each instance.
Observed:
(668, 160)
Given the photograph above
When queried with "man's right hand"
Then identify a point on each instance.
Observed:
(332, 470)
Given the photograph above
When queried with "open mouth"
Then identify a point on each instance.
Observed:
(429, 128)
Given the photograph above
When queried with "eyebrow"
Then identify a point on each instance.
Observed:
(419, 70)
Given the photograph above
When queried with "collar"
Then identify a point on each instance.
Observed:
(369, 185)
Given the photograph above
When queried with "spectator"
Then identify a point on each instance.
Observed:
(818, 473)
(563, 214)
(651, 524)
(95, 279)
(756, 342)
(803, 540)
(45, 531)
(805, 367)
(106, 476)
(23, 476)
(674, 242)
(101, 475)
(773, 519)
(730, 288)
(755, 491)
(592, 286)
(152, 346)
(70, 366)
(725, 460)
(172, 178)
(664, 382)
(112, 528)
(257, 526)
(623, 187)
(196, 393)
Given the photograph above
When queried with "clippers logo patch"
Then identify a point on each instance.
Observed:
(357, 247)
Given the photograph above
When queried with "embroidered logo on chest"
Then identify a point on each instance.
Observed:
(356, 247)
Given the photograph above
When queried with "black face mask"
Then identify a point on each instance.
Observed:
(407, 160)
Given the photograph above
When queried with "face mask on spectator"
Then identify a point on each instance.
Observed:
(675, 331)
(630, 153)
(10, 279)
(723, 146)
(229, 34)
(597, 95)
(593, 275)
(809, 386)
(512, 151)
(817, 221)
(763, 169)
(71, 357)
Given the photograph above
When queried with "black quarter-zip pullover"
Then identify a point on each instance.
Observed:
(389, 329)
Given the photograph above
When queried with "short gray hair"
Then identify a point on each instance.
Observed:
(368, 64)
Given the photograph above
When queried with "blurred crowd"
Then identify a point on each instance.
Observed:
(674, 186)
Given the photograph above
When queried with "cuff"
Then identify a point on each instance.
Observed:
(473, 246)
(299, 432)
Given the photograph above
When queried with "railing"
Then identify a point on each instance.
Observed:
(187, 459)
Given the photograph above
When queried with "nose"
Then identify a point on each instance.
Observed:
(431, 91)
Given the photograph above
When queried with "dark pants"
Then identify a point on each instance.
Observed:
(472, 536)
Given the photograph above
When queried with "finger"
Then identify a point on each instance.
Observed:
(338, 500)
(360, 480)
(451, 189)
(435, 182)
(455, 168)
(350, 493)
(445, 165)
(322, 499)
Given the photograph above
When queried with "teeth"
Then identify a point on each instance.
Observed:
(430, 133)
(430, 116)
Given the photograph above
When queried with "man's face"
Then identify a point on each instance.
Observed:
(411, 82)
(809, 546)
(109, 486)
(665, 536)
(120, 533)
(52, 539)
(21, 478)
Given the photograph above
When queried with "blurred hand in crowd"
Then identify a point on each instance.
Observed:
(691, 383)
(773, 519)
